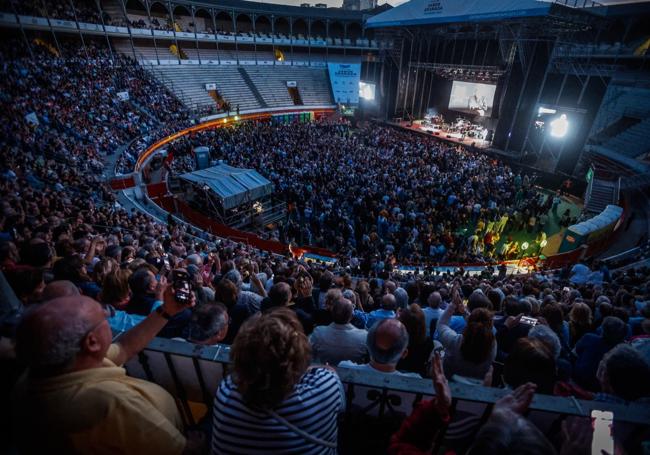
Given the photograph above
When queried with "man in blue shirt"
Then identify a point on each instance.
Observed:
(433, 311)
(387, 311)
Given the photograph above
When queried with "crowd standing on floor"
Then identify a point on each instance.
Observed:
(384, 196)
(83, 268)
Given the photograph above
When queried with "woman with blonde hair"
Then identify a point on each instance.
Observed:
(274, 395)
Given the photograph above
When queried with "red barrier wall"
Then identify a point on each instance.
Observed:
(122, 183)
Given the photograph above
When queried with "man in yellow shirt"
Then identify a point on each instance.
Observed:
(76, 398)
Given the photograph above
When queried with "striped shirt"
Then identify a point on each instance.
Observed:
(312, 407)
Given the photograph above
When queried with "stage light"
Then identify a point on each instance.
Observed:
(559, 126)
(545, 110)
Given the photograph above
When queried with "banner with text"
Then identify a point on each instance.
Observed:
(345, 82)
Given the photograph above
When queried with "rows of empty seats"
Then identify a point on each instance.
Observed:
(188, 83)
(631, 142)
(313, 84)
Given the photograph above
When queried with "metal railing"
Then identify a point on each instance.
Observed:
(191, 373)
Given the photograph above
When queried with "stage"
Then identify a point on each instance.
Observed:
(455, 137)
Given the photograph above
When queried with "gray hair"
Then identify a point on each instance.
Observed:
(207, 321)
(391, 355)
(401, 297)
(234, 276)
(547, 336)
(49, 350)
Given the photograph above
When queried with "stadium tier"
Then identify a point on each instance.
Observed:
(254, 228)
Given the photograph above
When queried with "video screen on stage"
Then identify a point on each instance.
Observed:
(472, 98)
(366, 91)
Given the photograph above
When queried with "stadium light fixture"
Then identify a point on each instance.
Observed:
(559, 126)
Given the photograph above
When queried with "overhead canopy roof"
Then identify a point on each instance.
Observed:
(419, 12)
(232, 185)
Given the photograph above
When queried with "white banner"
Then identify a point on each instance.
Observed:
(344, 78)
(123, 96)
(211, 86)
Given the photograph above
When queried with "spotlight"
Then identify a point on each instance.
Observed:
(236, 117)
(225, 120)
(559, 126)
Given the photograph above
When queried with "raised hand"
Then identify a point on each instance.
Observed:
(441, 386)
(518, 400)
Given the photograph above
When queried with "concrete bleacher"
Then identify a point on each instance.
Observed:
(188, 82)
(631, 142)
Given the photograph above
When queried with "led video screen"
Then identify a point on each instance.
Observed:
(472, 98)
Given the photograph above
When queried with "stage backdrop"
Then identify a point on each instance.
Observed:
(344, 78)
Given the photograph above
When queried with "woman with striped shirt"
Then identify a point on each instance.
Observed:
(273, 402)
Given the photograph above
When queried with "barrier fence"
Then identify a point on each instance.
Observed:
(191, 373)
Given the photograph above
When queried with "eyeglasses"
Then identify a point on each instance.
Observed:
(107, 314)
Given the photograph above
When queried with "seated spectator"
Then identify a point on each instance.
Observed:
(471, 353)
(339, 340)
(580, 320)
(419, 347)
(359, 317)
(624, 376)
(146, 292)
(208, 324)
(73, 268)
(387, 343)
(387, 310)
(592, 347)
(432, 312)
(365, 299)
(274, 394)
(280, 295)
(530, 361)
(74, 394)
(251, 299)
(509, 328)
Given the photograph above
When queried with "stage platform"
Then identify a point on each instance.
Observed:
(444, 135)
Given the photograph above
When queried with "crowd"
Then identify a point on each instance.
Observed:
(380, 195)
(83, 268)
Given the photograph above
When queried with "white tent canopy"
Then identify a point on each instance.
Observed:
(418, 12)
(233, 186)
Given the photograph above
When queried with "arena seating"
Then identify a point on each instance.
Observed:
(188, 82)
(360, 188)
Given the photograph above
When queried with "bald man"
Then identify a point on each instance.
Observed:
(59, 288)
(387, 310)
(387, 343)
(76, 398)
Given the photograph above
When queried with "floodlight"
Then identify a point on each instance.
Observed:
(559, 126)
